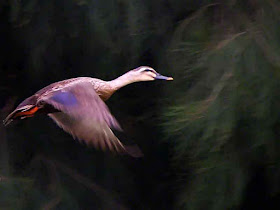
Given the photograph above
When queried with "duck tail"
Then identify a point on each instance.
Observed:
(134, 151)
(21, 113)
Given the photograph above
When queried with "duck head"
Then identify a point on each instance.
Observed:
(146, 73)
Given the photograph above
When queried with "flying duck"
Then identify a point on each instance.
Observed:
(77, 106)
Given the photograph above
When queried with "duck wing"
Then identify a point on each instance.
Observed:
(84, 115)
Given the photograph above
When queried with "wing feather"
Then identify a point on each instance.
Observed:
(84, 115)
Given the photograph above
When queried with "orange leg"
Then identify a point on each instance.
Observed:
(28, 113)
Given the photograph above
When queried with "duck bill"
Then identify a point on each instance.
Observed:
(161, 77)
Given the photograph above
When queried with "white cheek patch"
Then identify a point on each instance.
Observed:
(152, 74)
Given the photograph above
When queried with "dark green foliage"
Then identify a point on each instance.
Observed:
(226, 120)
(210, 137)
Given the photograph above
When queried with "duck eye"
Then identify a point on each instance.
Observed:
(148, 70)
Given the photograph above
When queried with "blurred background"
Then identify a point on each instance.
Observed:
(211, 137)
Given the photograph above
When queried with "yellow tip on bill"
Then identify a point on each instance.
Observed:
(169, 78)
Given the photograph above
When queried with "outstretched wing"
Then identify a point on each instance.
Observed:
(84, 115)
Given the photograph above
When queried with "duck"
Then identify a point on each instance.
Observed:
(77, 105)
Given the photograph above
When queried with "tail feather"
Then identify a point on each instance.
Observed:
(134, 151)
(23, 112)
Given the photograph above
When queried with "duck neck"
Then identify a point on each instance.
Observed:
(121, 81)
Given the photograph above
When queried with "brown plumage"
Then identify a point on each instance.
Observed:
(77, 106)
